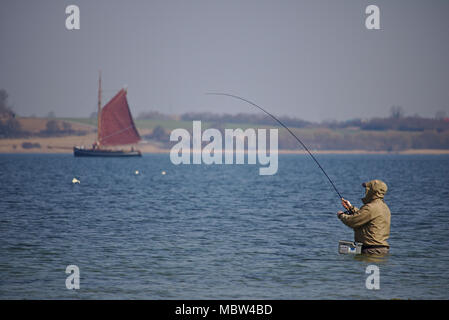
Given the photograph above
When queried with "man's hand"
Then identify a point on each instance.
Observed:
(346, 204)
(339, 213)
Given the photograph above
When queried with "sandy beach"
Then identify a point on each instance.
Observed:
(65, 144)
(59, 144)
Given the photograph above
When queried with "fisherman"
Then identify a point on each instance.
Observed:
(371, 223)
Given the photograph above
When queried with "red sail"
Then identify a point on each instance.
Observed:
(117, 125)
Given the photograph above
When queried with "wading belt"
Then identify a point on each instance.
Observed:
(366, 246)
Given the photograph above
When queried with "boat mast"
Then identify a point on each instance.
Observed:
(99, 109)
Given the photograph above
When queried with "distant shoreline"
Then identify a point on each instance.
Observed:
(66, 144)
(166, 151)
(331, 141)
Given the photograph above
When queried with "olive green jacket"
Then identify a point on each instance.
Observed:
(371, 223)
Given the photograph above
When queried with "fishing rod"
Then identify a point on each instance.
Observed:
(288, 129)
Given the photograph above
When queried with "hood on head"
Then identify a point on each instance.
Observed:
(374, 189)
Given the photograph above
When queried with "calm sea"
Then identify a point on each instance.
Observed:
(217, 231)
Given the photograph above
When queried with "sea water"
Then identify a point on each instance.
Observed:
(216, 231)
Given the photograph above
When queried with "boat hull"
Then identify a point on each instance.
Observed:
(79, 152)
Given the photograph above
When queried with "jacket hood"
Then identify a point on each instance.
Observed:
(374, 189)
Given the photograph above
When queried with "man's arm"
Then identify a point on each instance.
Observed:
(359, 218)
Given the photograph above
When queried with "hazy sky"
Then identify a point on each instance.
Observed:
(310, 59)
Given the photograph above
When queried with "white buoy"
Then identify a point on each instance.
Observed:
(163, 173)
(136, 172)
(75, 180)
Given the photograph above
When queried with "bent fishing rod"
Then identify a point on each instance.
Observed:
(288, 129)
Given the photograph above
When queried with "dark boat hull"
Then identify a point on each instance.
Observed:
(78, 152)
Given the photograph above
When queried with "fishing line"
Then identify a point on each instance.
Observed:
(288, 129)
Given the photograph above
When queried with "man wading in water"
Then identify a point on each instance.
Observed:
(371, 223)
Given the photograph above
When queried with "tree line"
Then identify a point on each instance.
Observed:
(10, 126)
(394, 133)
(396, 121)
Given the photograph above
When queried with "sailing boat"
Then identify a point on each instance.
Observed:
(115, 127)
